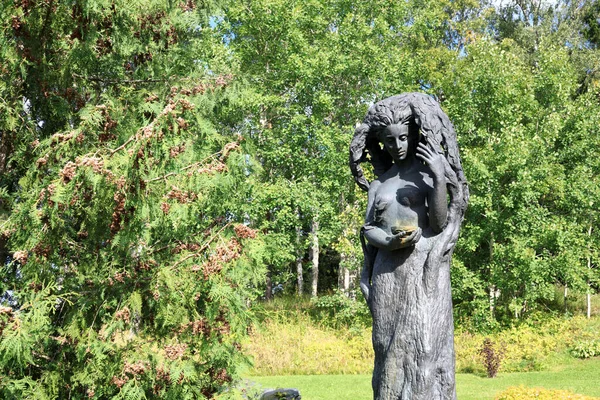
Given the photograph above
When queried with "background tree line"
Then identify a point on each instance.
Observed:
(519, 81)
(162, 165)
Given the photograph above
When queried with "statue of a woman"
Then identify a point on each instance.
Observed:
(415, 207)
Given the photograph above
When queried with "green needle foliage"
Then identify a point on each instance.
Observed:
(131, 266)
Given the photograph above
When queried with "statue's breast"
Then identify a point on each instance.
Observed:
(406, 193)
(399, 204)
(410, 196)
(382, 204)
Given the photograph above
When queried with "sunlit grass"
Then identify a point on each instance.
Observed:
(578, 376)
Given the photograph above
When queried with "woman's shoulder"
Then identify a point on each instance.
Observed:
(373, 186)
(390, 173)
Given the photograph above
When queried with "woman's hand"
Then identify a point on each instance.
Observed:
(404, 239)
(398, 240)
(432, 157)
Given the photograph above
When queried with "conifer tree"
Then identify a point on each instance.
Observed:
(130, 265)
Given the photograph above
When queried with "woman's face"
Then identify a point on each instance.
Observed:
(398, 142)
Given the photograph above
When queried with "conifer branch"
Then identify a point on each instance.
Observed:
(196, 164)
(209, 227)
(148, 129)
(117, 81)
(201, 162)
(42, 38)
(94, 320)
(203, 248)
(159, 178)
(45, 357)
(121, 147)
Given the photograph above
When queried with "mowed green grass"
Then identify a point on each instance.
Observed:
(578, 376)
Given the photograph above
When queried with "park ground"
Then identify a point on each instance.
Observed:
(579, 376)
(312, 348)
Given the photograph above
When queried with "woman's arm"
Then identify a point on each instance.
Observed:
(437, 200)
(438, 205)
(378, 237)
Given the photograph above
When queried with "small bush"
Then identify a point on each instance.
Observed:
(338, 310)
(468, 356)
(586, 348)
(492, 357)
(524, 393)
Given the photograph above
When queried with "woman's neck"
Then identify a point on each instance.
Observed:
(407, 165)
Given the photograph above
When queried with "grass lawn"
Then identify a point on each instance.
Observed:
(578, 376)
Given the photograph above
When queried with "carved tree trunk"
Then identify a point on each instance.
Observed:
(314, 256)
(411, 303)
(414, 343)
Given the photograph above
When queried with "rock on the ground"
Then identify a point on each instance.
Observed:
(281, 394)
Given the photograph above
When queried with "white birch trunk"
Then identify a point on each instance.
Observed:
(589, 265)
(344, 274)
(314, 255)
(299, 266)
(492, 288)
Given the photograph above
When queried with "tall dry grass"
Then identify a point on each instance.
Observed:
(293, 343)
(301, 347)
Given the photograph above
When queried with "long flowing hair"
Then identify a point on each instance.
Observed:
(422, 112)
(426, 115)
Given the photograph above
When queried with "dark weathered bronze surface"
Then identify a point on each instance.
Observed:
(416, 205)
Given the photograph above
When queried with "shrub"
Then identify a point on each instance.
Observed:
(492, 356)
(524, 393)
(299, 346)
(530, 346)
(292, 329)
(338, 310)
(467, 347)
(129, 276)
(586, 348)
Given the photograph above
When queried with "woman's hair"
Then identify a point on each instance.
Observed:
(428, 118)
(366, 139)
(423, 115)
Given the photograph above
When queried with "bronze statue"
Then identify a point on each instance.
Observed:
(415, 207)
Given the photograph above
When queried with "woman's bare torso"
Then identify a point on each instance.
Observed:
(400, 200)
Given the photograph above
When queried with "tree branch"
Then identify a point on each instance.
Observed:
(121, 147)
(161, 177)
(117, 81)
(204, 246)
(182, 169)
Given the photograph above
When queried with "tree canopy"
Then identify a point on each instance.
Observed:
(159, 161)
